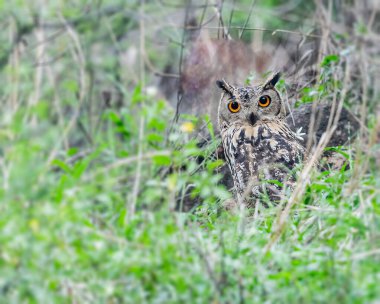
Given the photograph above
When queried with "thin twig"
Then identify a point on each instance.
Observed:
(81, 61)
(304, 178)
(247, 20)
(179, 91)
(132, 199)
(231, 16)
(273, 31)
(127, 161)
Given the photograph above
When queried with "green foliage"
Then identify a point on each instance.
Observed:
(329, 85)
(64, 234)
(78, 150)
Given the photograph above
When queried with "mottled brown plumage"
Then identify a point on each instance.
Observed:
(261, 150)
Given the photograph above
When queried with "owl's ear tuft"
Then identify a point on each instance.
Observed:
(272, 80)
(226, 87)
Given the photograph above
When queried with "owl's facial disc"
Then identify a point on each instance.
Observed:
(249, 105)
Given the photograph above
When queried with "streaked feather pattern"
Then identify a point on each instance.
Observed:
(261, 153)
(260, 148)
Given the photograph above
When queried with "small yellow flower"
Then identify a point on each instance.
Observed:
(187, 127)
(34, 225)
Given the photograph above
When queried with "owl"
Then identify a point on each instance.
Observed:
(261, 150)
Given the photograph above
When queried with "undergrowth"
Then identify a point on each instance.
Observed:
(66, 233)
(89, 207)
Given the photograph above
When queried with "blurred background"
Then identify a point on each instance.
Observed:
(108, 129)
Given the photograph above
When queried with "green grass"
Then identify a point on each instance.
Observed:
(66, 234)
(88, 190)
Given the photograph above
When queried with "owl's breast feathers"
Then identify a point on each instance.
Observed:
(261, 157)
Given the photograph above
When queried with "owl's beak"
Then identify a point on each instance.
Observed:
(252, 118)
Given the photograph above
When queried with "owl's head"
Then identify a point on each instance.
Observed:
(250, 105)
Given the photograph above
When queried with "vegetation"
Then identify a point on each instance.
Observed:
(92, 163)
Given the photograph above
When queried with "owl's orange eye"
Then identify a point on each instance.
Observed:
(234, 106)
(264, 101)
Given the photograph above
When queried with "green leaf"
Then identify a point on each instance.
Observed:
(137, 95)
(210, 127)
(72, 151)
(157, 123)
(214, 164)
(59, 163)
(154, 137)
(338, 150)
(161, 160)
(329, 59)
(275, 182)
(71, 85)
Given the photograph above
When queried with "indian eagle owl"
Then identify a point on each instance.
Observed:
(261, 150)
